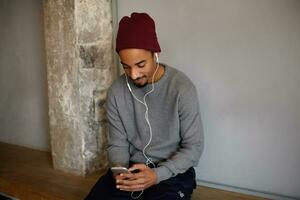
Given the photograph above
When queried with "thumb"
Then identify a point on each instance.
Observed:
(137, 167)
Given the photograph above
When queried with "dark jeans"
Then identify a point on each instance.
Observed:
(179, 187)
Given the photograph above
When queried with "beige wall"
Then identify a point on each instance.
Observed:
(244, 57)
(23, 99)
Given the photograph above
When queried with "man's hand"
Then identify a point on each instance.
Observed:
(141, 180)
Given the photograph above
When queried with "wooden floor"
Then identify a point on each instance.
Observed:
(28, 175)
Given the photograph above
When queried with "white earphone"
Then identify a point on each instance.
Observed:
(148, 160)
(157, 65)
(156, 56)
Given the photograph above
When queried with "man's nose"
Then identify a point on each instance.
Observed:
(134, 74)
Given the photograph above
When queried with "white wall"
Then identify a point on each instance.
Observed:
(244, 58)
(23, 97)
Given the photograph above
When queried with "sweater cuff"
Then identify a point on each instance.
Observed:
(163, 173)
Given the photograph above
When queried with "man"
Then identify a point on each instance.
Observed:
(154, 122)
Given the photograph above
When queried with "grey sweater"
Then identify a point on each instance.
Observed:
(177, 141)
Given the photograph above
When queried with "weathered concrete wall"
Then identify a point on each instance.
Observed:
(80, 69)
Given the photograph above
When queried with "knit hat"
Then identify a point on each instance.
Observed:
(137, 31)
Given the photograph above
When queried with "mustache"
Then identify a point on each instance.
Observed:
(138, 78)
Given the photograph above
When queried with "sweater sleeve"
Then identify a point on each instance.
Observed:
(118, 145)
(192, 139)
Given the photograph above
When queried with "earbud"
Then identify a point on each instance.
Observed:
(156, 57)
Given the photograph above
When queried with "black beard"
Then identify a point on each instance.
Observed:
(140, 86)
(137, 85)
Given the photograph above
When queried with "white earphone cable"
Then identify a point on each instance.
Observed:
(148, 160)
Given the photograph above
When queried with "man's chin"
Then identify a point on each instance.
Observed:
(140, 85)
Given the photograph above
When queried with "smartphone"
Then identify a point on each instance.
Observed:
(119, 170)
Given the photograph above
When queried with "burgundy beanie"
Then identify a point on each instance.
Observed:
(137, 31)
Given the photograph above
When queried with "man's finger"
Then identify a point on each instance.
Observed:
(132, 175)
(123, 176)
(131, 182)
(138, 166)
(132, 188)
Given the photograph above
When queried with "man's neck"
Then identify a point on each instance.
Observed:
(160, 72)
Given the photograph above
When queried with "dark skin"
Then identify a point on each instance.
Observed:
(141, 180)
(140, 66)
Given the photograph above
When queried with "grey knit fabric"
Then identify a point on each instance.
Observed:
(174, 115)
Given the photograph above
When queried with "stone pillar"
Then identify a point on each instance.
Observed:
(79, 51)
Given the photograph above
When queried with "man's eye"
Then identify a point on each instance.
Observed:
(141, 65)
